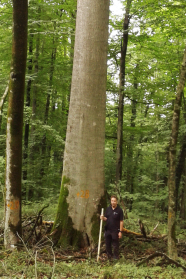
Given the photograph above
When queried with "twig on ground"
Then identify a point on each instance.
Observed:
(36, 264)
(28, 224)
(74, 258)
(24, 245)
(53, 269)
(3, 264)
(40, 244)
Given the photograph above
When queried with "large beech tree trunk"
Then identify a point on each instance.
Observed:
(121, 93)
(15, 125)
(82, 189)
(172, 250)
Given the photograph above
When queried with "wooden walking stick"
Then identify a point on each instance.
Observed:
(100, 231)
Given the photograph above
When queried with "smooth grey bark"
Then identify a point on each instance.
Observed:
(15, 125)
(83, 168)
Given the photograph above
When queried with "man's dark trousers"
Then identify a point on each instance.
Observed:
(111, 239)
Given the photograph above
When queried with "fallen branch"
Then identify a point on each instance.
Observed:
(139, 235)
(151, 233)
(3, 98)
(2, 101)
(125, 231)
(36, 222)
(159, 254)
(29, 223)
(147, 239)
(63, 258)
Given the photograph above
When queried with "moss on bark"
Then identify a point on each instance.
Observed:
(63, 232)
(65, 235)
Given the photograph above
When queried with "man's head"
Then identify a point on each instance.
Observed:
(113, 201)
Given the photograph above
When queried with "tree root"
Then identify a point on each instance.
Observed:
(159, 254)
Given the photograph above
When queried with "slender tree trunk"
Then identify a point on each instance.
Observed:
(2, 101)
(183, 199)
(15, 125)
(35, 148)
(157, 159)
(72, 42)
(47, 107)
(130, 161)
(27, 125)
(82, 189)
(172, 250)
(181, 159)
(121, 93)
(36, 70)
(180, 168)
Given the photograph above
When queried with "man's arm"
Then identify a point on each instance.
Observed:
(121, 226)
(121, 229)
(103, 218)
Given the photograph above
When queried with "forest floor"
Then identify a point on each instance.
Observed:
(39, 259)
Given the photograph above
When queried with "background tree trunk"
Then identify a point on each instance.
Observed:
(181, 159)
(83, 168)
(180, 169)
(172, 250)
(15, 125)
(121, 93)
(183, 199)
(27, 124)
(130, 156)
(2, 101)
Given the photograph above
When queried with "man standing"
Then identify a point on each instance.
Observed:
(114, 227)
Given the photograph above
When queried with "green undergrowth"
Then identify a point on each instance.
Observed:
(39, 261)
(33, 208)
(24, 265)
(30, 208)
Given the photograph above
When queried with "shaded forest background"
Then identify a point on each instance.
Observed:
(156, 41)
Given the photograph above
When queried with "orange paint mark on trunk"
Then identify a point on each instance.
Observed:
(13, 205)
